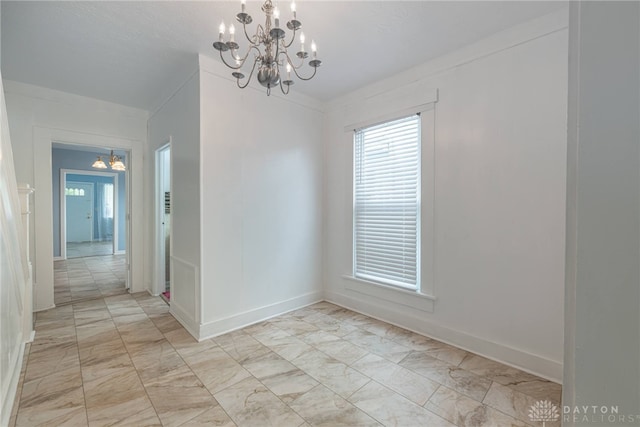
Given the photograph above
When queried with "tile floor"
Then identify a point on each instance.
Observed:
(82, 249)
(124, 360)
(89, 277)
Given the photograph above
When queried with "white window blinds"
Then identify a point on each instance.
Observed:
(387, 202)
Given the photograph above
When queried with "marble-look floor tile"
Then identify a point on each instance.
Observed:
(241, 346)
(100, 365)
(332, 325)
(342, 350)
(249, 403)
(83, 317)
(156, 359)
(447, 353)
(111, 347)
(516, 379)
(289, 385)
(378, 345)
(139, 338)
(187, 345)
(42, 389)
(115, 399)
(322, 407)
(124, 360)
(44, 360)
(64, 409)
(465, 382)
(96, 333)
(318, 337)
(290, 347)
(268, 365)
(414, 387)
(292, 326)
(166, 323)
(216, 369)
(213, 417)
(146, 417)
(510, 402)
(178, 396)
(466, 412)
(332, 373)
(391, 409)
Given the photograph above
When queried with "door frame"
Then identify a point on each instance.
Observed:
(42, 222)
(63, 207)
(159, 285)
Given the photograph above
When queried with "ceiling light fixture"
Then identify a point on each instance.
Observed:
(114, 161)
(270, 48)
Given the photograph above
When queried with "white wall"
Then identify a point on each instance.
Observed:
(500, 151)
(602, 361)
(36, 116)
(261, 174)
(13, 273)
(178, 121)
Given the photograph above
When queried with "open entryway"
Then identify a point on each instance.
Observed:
(163, 221)
(90, 233)
(90, 215)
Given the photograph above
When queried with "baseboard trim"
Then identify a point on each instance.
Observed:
(532, 363)
(10, 396)
(45, 309)
(184, 318)
(241, 320)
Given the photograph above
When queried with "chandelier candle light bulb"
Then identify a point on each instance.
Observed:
(314, 49)
(270, 48)
(232, 31)
(222, 30)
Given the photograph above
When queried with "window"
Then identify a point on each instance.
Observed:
(107, 201)
(387, 203)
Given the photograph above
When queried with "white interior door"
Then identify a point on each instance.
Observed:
(79, 211)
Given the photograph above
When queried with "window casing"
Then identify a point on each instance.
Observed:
(386, 238)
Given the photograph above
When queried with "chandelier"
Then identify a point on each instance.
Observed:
(114, 161)
(270, 49)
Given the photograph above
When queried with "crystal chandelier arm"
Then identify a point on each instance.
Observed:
(250, 75)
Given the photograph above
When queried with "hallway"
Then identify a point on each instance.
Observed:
(78, 279)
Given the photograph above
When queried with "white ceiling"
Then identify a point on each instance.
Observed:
(133, 52)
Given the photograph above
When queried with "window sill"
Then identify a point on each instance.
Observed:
(406, 297)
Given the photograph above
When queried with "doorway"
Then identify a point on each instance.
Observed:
(163, 221)
(90, 232)
(89, 213)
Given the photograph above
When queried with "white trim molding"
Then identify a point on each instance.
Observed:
(410, 320)
(241, 320)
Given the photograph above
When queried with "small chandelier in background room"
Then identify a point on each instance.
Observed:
(270, 49)
(114, 161)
